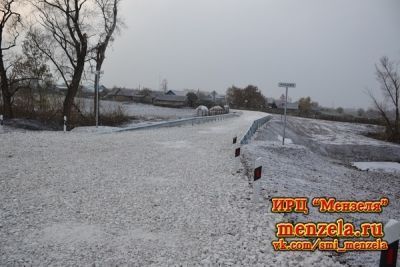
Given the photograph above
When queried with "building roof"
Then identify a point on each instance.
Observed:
(218, 96)
(205, 97)
(171, 98)
(176, 92)
(87, 88)
(209, 96)
(156, 93)
(121, 92)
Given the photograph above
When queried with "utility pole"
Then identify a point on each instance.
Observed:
(97, 100)
(164, 85)
(284, 125)
(286, 85)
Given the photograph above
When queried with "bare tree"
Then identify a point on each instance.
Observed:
(305, 105)
(33, 66)
(249, 97)
(65, 23)
(109, 13)
(387, 74)
(10, 21)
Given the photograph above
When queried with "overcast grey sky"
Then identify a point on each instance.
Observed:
(328, 47)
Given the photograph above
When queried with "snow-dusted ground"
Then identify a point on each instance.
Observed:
(155, 197)
(317, 164)
(138, 110)
(94, 129)
(5, 129)
(378, 166)
(339, 140)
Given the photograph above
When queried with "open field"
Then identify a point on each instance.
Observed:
(316, 162)
(140, 111)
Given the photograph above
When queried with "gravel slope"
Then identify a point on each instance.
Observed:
(310, 167)
(158, 197)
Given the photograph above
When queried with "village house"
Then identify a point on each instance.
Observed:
(174, 101)
(120, 94)
(177, 93)
(213, 97)
(86, 90)
(146, 96)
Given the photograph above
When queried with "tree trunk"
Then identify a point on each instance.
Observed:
(5, 90)
(102, 47)
(96, 85)
(100, 56)
(76, 79)
(71, 93)
(7, 108)
(397, 125)
(68, 103)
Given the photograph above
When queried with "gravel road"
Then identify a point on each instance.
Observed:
(169, 196)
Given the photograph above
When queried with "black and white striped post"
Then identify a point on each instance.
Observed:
(237, 151)
(257, 175)
(237, 164)
(392, 236)
(65, 124)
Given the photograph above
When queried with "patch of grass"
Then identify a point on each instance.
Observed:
(49, 113)
(115, 117)
(383, 136)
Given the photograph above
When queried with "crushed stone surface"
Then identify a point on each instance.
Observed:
(169, 196)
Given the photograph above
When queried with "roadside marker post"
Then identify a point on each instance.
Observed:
(1, 120)
(392, 236)
(287, 85)
(237, 153)
(257, 175)
(234, 140)
(65, 124)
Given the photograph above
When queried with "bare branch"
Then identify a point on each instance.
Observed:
(63, 21)
(52, 58)
(10, 22)
(388, 77)
(380, 107)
